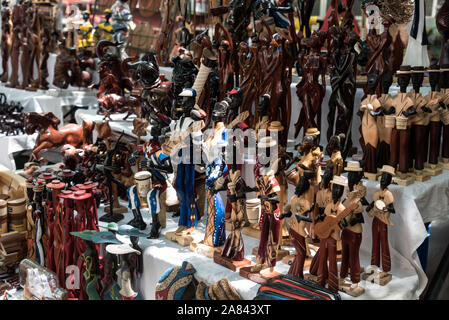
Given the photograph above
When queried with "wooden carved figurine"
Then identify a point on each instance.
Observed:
(380, 209)
(351, 236)
(400, 134)
(420, 121)
(309, 89)
(18, 19)
(386, 110)
(215, 168)
(299, 225)
(329, 232)
(369, 110)
(434, 126)
(444, 114)
(7, 29)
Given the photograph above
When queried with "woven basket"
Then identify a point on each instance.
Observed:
(390, 121)
(253, 210)
(401, 123)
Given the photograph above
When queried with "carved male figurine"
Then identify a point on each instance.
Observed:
(380, 209)
(351, 236)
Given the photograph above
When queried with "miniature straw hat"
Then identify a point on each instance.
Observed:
(275, 126)
(66, 173)
(56, 184)
(266, 142)
(353, 166)
(85, 234)
(312, 132)
(105, 237)
(340, 180)
(123, 248)
(388, 169)
(65, 194)
(80, 195)
(128, 230)
(46, 176)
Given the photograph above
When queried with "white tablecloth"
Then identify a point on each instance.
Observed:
(11, 144)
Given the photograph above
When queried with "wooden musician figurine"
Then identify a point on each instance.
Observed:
(380, 209)
(329, 231)
(351, 236)
(386, 111)
(299, 225)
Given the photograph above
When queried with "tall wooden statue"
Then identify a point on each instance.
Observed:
(7, 29)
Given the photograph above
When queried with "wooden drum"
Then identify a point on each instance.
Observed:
(253, 210)
(17, 215)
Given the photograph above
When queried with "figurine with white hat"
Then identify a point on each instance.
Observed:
(351, 236)
(328, 245)
(380, 209)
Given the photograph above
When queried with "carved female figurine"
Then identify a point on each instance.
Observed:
(6, 38)
(419, 145)
(299, 224)
(380, 209)
(351, 236)
(309, 90)
(369, 127)
(433, 104)
(386, 108)
(400, 135)
(215, 168)
(18, 19)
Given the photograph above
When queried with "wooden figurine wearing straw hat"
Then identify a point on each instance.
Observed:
(400, 134)
(420, 121)
(299, 225)
(351, 236)
(269, 222)
(444, 114)
(433, 99)
(380, 209)
(328, 231)
(370, 137)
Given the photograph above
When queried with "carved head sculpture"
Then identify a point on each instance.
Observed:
(417, 78)
(354, 177)
(334, 144)
(387, 81)
(188, 100)
(337, 192)
(404, 75)
(220, 110)
(107, 14)
(264, 104)
(235, 97)
(385, 180)
(307, 144)
(373, 80)
(434, 76)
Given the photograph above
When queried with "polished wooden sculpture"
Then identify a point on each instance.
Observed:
(309, 89)
(384, 119)
(400, 134)
(369, 140)
(50, 136)
(7, 29)
(380, 209)
(342, 66)
(18, 18)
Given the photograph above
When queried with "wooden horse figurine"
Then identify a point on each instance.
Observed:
(50, 136)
